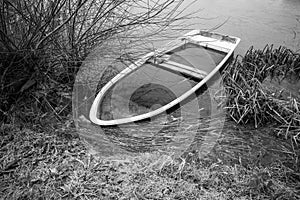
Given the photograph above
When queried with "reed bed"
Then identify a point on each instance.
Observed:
(256, 93)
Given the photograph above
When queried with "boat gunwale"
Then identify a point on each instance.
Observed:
(94, 108)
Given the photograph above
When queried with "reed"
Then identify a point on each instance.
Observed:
(255, 93)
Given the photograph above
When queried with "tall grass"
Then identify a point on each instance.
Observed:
(43, 44)
(249, 97)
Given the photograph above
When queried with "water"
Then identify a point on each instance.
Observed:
(152, 86)
(256, 22)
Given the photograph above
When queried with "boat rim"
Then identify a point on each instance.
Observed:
(189, 37)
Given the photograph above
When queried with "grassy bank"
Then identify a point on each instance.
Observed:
(57, 165)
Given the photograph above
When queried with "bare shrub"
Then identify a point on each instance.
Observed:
(43, 44)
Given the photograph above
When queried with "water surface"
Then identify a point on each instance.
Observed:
(256, 22)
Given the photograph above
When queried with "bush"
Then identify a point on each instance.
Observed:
(44, 42)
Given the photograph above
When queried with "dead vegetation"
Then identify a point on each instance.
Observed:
(259, 89)
(43, 44)
(56, 165)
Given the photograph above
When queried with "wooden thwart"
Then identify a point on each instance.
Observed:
(191, 71)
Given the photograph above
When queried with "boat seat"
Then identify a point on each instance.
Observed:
(187, 70)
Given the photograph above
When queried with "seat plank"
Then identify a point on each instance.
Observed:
(174, 66)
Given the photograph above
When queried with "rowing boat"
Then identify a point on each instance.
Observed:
(161, 79)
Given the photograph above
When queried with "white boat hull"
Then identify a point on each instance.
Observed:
(217, 42)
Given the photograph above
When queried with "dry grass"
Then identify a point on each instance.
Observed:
(56, 165)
